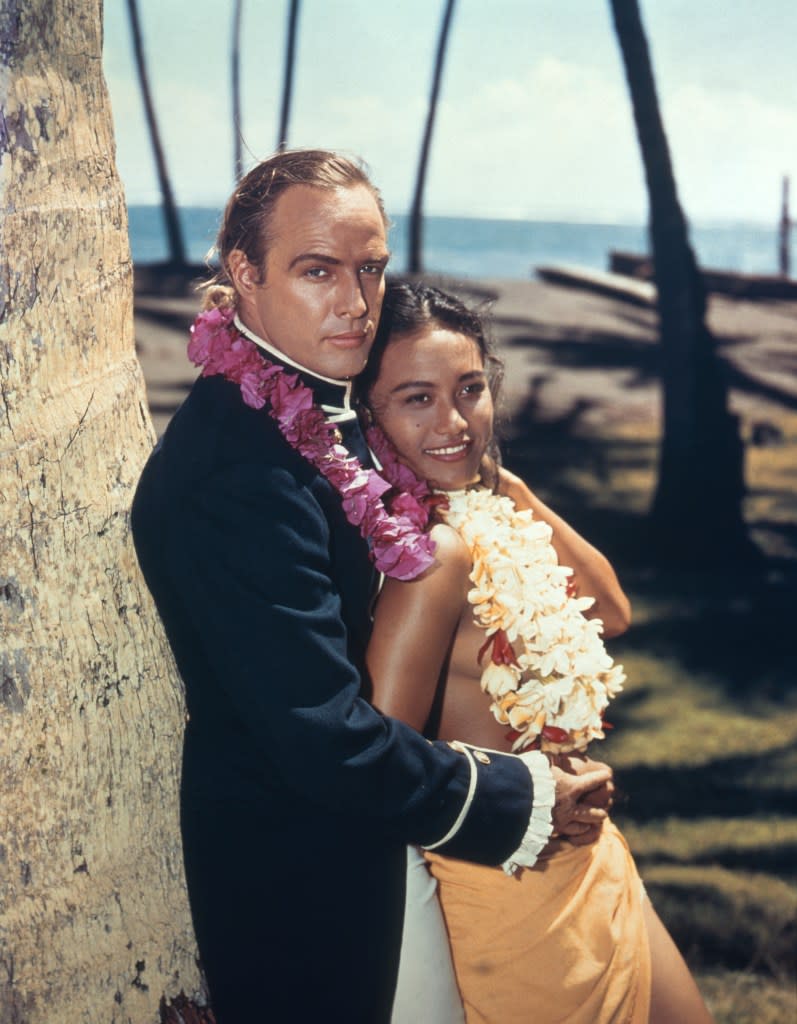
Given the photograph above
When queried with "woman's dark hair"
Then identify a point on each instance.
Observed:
(409, 308)
(246, 222)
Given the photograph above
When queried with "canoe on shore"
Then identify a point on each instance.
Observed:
(614, 286)
(723, 282)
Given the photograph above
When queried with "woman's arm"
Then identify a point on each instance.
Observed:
(593, 574)
(414, 626)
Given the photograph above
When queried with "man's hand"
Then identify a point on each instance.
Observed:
(584, 791)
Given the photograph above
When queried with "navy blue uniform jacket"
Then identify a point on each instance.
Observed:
(297, 797)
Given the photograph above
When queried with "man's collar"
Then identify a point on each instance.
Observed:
(334, 396)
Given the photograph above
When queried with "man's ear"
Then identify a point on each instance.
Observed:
(244, 275)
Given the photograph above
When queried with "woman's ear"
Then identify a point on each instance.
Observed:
(244, 276)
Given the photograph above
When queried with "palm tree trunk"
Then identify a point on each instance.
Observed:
(696, 513)
(171, 219)
(784, 247)
(236, 89)
(287, 82)
(415, 265)
(95, 923)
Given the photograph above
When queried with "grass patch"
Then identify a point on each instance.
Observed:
(744, 997)
(726, 918)
(696, 718)
(761, 844)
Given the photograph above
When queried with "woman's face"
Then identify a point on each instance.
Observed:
(433, 401)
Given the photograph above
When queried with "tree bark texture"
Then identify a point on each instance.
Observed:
(696, 511)
(94, 922)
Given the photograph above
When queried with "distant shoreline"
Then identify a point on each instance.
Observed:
(474, 248)
(709, 223)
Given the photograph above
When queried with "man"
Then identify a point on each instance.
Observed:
(297, 797)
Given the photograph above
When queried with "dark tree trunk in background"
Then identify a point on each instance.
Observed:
(697, 509)
(235, 62)
(287, 83)
(784, 242)
(171, 219)
(415, 265)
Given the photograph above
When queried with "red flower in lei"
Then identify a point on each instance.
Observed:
(399, 547)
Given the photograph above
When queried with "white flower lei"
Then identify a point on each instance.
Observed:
(554, 682)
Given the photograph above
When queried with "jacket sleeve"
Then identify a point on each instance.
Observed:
(248, 558)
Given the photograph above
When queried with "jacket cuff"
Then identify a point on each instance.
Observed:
(493, 811)
(460, 748)
(540, 824)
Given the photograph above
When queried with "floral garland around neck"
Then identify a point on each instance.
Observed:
(549, 676)
(398, 545)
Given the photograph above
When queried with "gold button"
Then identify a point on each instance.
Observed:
(481, 757)
(459, 747)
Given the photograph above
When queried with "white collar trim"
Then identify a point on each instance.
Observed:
(283, 358)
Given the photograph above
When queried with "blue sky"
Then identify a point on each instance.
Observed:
(534, 121)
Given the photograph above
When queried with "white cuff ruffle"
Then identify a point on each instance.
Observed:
(540, 824)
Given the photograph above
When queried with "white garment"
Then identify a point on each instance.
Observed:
(427, 989)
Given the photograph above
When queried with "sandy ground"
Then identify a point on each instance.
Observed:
(573, 353)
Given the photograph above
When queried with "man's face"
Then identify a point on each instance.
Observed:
(320, 298)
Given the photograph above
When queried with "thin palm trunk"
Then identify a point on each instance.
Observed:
(696, 511)
(416, 212)
(287, 83)
(236, 89)
(171, 219)
(784, 249)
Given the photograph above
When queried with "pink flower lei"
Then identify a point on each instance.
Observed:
(398, 544)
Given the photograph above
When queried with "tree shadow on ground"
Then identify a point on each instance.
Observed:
(745, 641)
(714, 926)
(598, 352)
(723, 787)
(640, 354)
(779, 859)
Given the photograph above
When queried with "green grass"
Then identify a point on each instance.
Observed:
(746, 997)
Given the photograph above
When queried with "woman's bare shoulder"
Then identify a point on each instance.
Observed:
(510, 485)
(440, 590)
(451, 551)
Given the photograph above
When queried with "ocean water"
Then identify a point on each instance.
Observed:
(470, 247)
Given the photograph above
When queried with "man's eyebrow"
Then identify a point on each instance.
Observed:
(333, 261)
(314, 257)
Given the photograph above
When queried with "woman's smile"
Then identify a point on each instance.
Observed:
(450, 453)
(433, 401)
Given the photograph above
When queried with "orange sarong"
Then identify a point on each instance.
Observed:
(562, 942)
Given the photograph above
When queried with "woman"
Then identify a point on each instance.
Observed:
(575, 937)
